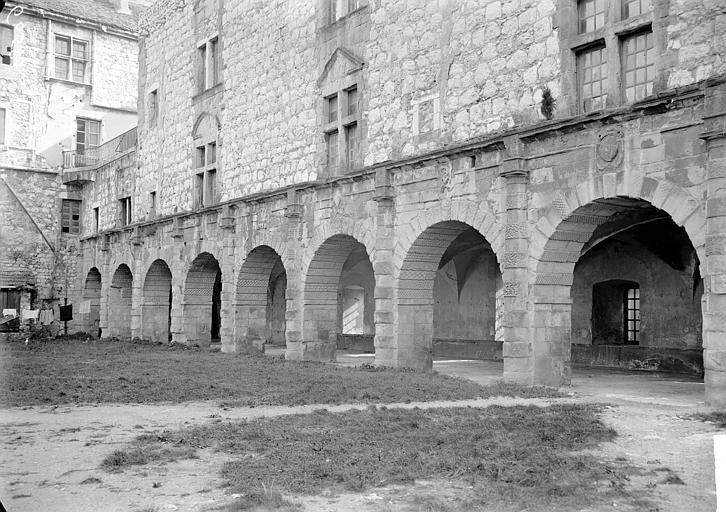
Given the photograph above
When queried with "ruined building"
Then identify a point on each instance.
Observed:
(541, 181)
(68, 83)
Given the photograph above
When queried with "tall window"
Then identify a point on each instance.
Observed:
(206, 176)
(125, 211)
(71, 59)
(339, 8)
(612, 44)
(6, 44)
(96, 220)
(342, 119)
(88, 134)
(2, 126)
(71, 216)
(208, 64)
(632, 315)
(153, 106)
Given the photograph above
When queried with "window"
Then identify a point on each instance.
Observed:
(632, 316)
(88, 134)
(613, 52)
(71, 59)
(153, 106)
(96, 218)
(340, 8)
(2, 126)
(6, 44)
(125, 211)
(71, 217)
(206, 177)
(638, 66)
(208, 64)
(152, 204)
(342, 121)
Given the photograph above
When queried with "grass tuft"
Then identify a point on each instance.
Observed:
(717, 418)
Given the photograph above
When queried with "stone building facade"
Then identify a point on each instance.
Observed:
(68, 83)
(536, 181)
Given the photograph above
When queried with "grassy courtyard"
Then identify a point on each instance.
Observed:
(76, 371)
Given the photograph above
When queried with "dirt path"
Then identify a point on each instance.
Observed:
(50, 458)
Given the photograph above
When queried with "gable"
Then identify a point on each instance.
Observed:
(342, 62)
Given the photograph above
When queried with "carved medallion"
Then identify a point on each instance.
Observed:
(609, 150)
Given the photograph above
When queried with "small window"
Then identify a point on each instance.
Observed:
(632, 8)
(199, 190)
(632, 316)
(203, 68)
(71, 217)
(2, 126)
(153, 106)
(351, 144)
(6, 44)
(214, 63)
(210, 187)
(208, 64)
(201, 156)
(125, 211)
(71, 59)
(96, 220)
(352, 95)
(333, 109)
(211, 153)
(88, 134)
(638, 66)
(592, 72)
(591, 14)
(332, 149)
(152, 203)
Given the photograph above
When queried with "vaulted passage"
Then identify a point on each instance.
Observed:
(202, 301)
(156, 305)
(119, 303)
(260, 299)
(447, 297)
(634, 280)
(90, 311)
(338, 298)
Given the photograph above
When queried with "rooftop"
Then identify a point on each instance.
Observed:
(99, 11)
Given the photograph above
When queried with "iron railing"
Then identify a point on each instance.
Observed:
(106, 152)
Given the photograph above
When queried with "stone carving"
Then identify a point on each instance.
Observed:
(609, 151)
(445, 172)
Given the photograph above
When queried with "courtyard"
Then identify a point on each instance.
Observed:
(262, 437)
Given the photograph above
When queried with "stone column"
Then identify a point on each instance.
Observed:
(294, 291)
(102, 257)
(382, 259)
(516, 348)
(226, 228)
(714, 297)
(137, 285)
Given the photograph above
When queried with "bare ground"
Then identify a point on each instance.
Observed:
(51, 455)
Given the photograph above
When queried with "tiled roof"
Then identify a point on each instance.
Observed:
(13, 276)
(99, 11)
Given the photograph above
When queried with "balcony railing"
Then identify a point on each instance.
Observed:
(106, 152)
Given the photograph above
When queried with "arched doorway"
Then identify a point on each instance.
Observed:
(202, 301)
(448, 290)
(90, 309)
(119, 303)
(338, 297)
(156, 305)
(633, 277)
(260, 299)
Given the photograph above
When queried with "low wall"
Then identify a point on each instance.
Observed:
(633, 357)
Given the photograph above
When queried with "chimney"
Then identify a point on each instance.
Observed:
(122, 6)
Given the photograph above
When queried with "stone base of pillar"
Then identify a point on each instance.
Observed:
(418, 359)
(714, 378)
(323, 351)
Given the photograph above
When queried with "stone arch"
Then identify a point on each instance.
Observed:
(205, 124)
(90, 315)
(414, 295)
(259, 301)
(201, 307)
(572, 225)
(119, 302)
(321, 293)
(156, 302)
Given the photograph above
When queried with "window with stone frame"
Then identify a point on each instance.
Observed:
(71, 216)
(205, 184)
(341, 130)
(610, 47)
(208, 64)
(72, 58)
(340, 8)
(153, 107)
(6, 44)
(125, 211)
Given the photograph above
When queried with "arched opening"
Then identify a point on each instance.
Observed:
(338, 299)
(202, 301)
(119, 303)
(634, 281)
(90, 308)
(260, 299)
(448, 290)
(156, 306)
